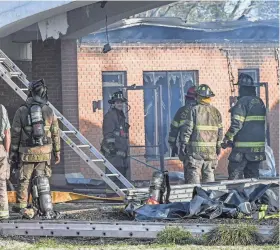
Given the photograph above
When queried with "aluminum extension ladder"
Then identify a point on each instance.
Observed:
(9, 70)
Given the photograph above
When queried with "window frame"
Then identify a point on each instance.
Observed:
(113, 84)
(250, 70)
(167, 72)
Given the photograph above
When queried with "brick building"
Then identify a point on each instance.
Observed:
(175, 57)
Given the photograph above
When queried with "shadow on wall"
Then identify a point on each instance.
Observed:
(9, 99)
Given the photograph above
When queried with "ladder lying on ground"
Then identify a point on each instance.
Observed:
(9, 70)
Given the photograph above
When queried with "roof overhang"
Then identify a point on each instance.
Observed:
(66, 19)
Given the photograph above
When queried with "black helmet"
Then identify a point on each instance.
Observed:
(246, 80)
(38, 89)
(204, 91)
(117, 96)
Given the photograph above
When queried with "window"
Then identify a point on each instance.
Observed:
(111, 83)
(174, 86)
(254, 73)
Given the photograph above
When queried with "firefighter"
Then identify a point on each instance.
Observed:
(200, 138)
(35, 136)
(179, 120)
(246, 134)
(115, 136)
(5, 142)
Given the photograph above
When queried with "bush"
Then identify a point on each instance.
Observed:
(275, 235)
(241, 234)
(175, 235)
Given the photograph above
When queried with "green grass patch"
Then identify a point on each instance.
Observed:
(226, 235)
(175, 235)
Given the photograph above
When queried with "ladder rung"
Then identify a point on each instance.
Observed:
(15, 73)
(83, 146)
(110, 175)
(69, 132)
(97, 160)
(10, 73)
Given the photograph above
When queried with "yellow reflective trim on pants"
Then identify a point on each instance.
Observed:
(171, 139)
(239, 118)
(255, 118)
(205, 127)
(175, 124)
(4, 214)
(203, 144)
(249, 144)
(220, 125)
(21, 205)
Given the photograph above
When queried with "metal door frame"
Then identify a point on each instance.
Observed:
(159, 115)
(265, 85)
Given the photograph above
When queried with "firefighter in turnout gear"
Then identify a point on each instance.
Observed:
(179, 120)
(5, 142)
(246, 134)
(200, 138)
(35, 136)
(115, 136)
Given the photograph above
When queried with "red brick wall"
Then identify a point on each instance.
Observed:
(209, 59)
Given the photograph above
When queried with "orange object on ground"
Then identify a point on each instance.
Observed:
(60, 197)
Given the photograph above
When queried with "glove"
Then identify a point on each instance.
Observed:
(174, 151)
(183, 149)
(226, 143)
(112, 148)
(14, 160)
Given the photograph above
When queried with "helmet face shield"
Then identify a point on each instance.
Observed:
(117, 96)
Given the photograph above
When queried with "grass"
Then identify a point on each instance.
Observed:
(241, 237)
(175, 235)
(241, 234)
(53, 245)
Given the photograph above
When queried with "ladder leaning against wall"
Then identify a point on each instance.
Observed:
(9, 71)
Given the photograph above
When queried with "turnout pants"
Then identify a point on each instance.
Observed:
(244, 165)
(243, 169)
(4, 176)
(194, 169)
(121, 165)
(27, 171)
